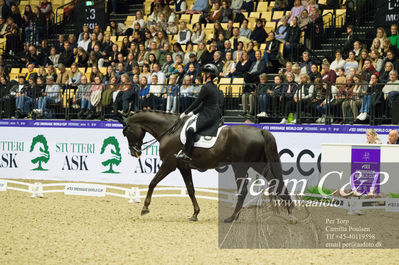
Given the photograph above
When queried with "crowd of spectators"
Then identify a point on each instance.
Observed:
(149, 69)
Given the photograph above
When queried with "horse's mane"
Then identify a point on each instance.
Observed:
(153, 111)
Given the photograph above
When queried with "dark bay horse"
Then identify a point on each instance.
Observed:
(241, 146)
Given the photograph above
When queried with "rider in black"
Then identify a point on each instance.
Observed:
(207, 105)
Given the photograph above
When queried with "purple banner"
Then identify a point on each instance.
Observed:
(365, 169)
(288, 128)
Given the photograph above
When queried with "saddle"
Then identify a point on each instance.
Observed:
(203, 141)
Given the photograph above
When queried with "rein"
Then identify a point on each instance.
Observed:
(153, 141)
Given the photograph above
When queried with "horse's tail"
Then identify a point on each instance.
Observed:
(272, 156)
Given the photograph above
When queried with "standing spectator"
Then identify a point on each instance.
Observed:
(272, 47)
(259, 34)
(287, 97)
(11, 34)
(391, 91)
(80, 94)
(292, 39)
(244, 30)
(46, 8)
(66, 57)
(15, 14)
(349, 39)
(184, 35)
(394, 38)
(171, 92)
(304, 94)
(265, 94)
(5, 10)
(156, 91)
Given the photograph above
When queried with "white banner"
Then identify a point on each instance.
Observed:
(101, 155)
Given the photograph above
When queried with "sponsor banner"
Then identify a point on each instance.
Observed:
(392, 205)
(387, 13)
(3, 185)
(97, 151)
(365, 169)
(85, 189)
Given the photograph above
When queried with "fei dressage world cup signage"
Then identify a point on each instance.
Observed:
(97, 151)
(387, 13)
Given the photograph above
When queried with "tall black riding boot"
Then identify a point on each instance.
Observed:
(188, 147)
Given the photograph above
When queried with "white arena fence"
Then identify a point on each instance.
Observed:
(134, 194)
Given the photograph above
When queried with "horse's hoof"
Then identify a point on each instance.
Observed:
(144, 211)
(193, 219)
(229, 220)
(293, 220)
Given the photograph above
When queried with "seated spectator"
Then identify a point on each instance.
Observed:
(33, 57)
(74, 76)
(192, 72)
(372, 138)
(236, 5)
(31, 72)
(84, 43)
(53, 58)
(126, 97)
(258, 67)
(171, 91)
(244, 30)
(155, 15)
(391, 91)
(350, 62)
(236, 38)
(199, 7)
(198, 34)
(237, 54)
(212, 16)
(391, 57)
(329, 75)
(226, 13)
(80, 96)
(296, 10)
(93, 98)
(322, 95)
(304, 20)
(314, 73)
(180, 6)
(242, 67)
(357, 50)
(368, 70)
(177, 50)
(272, 48)
(228, 66)
(189, 51)
(384, 76)
(394, 38)
(393, 137)
(192, 60)
(339, 62)
(281, 5)
(51, 95)
(95, 72)
(186, 93)
(376, 61)
(51, 71)
(265, 94)
(167, 67)
(281, 31)
(259, 34)
(184, 35)
(139, 19)
(143, 93)
(156, 70)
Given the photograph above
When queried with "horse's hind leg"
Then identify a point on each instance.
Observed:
(188, 180)
(240, 172)
(164, 170)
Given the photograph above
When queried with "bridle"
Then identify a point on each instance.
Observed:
(148, 144)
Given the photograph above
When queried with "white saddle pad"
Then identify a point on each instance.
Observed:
(204, 141)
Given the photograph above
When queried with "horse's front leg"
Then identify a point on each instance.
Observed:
(188, 180)
(164, 170)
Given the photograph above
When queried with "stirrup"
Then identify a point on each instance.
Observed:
(182, 156)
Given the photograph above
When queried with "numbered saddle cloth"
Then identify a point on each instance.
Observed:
(200, 140)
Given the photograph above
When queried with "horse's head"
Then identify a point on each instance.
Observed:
(134, 134)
